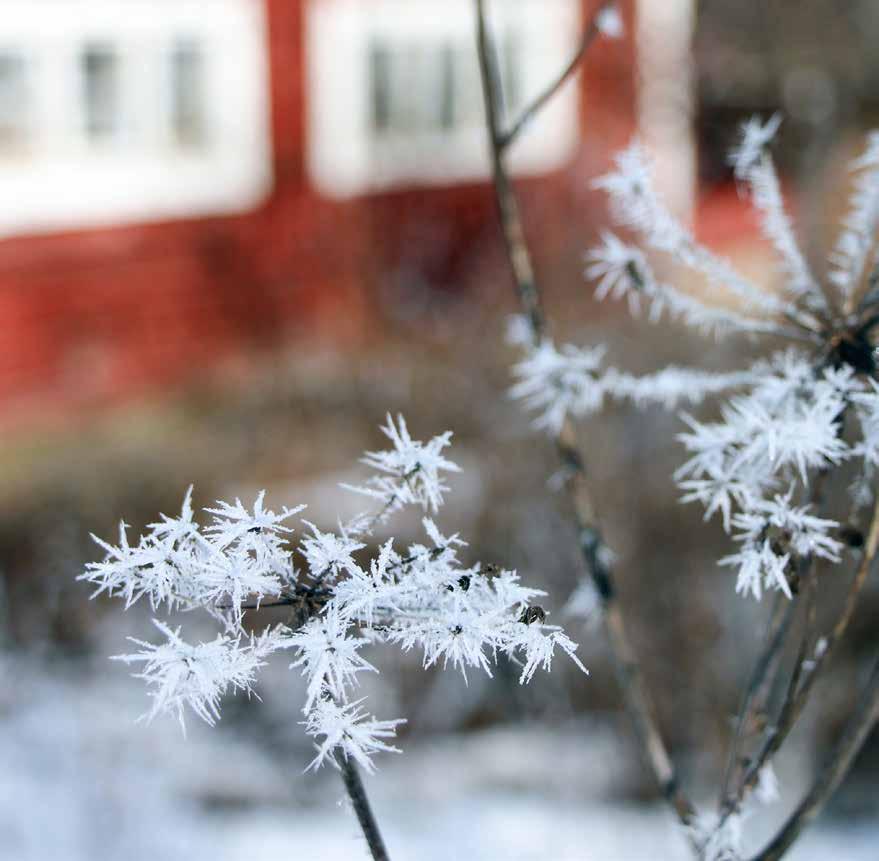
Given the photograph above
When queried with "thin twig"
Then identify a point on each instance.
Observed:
(736, 783)
(807, 646)
(797, 699)
(779, 624)
(363, 809)
(302, 595)
(505, 139)
(851, 602)
(637, 700)
(508, 205)
(835, 769)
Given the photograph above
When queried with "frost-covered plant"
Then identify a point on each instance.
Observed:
(343, 601)
(802, 412)
(790, 422)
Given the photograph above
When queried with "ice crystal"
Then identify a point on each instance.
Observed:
(538, 643)
(347, 730)
(198, 676)
(560, 383)
(410, 472)
(329, 555)
(329, 658)
(855, 249)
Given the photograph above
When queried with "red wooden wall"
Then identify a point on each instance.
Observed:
(92, 316)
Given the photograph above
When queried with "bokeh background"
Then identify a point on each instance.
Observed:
(233, 235)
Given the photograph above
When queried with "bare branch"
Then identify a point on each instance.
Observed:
(779, 625)
(851, 601)
(595, 557)
(508, 205)
(363, 809)
(835, 769)
(797, 699)
(528, 114)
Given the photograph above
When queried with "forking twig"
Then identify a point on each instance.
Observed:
(528, 114)
(738, 777)
(835, 769)
(738, 781)
(798, 694)
(779, 624)
(595, 557)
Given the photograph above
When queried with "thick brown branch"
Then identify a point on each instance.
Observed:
(833, 773)
(628, 669)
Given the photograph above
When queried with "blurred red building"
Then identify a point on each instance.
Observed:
(181, 184)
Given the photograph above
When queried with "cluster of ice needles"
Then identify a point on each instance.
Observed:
(807, 410)
(343, 600)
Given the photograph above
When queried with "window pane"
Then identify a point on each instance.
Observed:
(405, 89)
(13, 100)
(447, 94)
(468, 89)
(432, 100)
(100, 77)
(380, 86)
(412, 88)
(425, 89)
(188, 94)
(511, 74)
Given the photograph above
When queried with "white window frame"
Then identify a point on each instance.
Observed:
(343, 159)
(138, 174)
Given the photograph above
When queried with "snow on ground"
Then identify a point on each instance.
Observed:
(506, 828)
(81, 781)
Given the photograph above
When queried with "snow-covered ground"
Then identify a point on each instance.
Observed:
(80, 781)
(502, 827)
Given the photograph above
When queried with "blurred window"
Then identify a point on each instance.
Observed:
(13, 101)
(131, 111)
(405, 108)
(100, 87)
(188, 121)
(424, 90)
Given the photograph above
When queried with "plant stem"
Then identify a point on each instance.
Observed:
(628, 670)
(363, 809)
(798, 697)
(778, 627)
(835, 769)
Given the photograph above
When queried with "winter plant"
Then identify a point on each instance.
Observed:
(798, 416)
(344, 603)
(792, 426)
